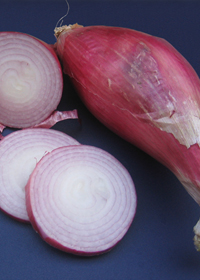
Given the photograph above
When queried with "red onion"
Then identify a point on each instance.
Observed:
(81, 199)
(19, 153)
(31, 80)
(141, 88)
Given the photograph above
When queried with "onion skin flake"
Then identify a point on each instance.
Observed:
(81, 200)
(141, 88)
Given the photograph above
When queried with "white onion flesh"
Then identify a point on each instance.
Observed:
(31, 80)
(80, 199)
(19, 153)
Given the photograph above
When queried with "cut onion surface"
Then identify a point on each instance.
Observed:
(31, 80)
(81, 199)
(19, 153)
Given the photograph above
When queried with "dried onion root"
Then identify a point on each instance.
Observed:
(19, 153)
(81, 200)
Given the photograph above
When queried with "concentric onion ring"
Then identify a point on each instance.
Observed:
(31, 80)
(80, 199)
(19, 153)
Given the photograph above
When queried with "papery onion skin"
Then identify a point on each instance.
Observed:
(56, 117)
(19, 153)
(87, 202)
(90, 58)
(141, 88)
(31, 80)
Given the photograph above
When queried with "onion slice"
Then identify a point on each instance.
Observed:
(19, 153)
(31, 80)
(81, 199)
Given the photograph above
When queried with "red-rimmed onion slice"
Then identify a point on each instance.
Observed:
(81, 199)
(31, 80)
(19, 153)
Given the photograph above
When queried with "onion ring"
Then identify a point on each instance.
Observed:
(81, 200)
(19, 153)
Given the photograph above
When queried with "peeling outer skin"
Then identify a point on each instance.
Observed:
(54, 118)
(2, 127)
(141, 88)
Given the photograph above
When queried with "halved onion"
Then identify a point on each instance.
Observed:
(81, 199)
(19, 153)
(31, 80)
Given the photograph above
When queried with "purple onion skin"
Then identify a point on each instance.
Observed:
(141, 88)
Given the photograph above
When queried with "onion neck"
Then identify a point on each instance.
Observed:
(65, 28)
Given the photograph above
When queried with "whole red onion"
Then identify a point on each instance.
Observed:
(141, 88)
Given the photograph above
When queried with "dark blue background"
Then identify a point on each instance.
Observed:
(159, 244)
